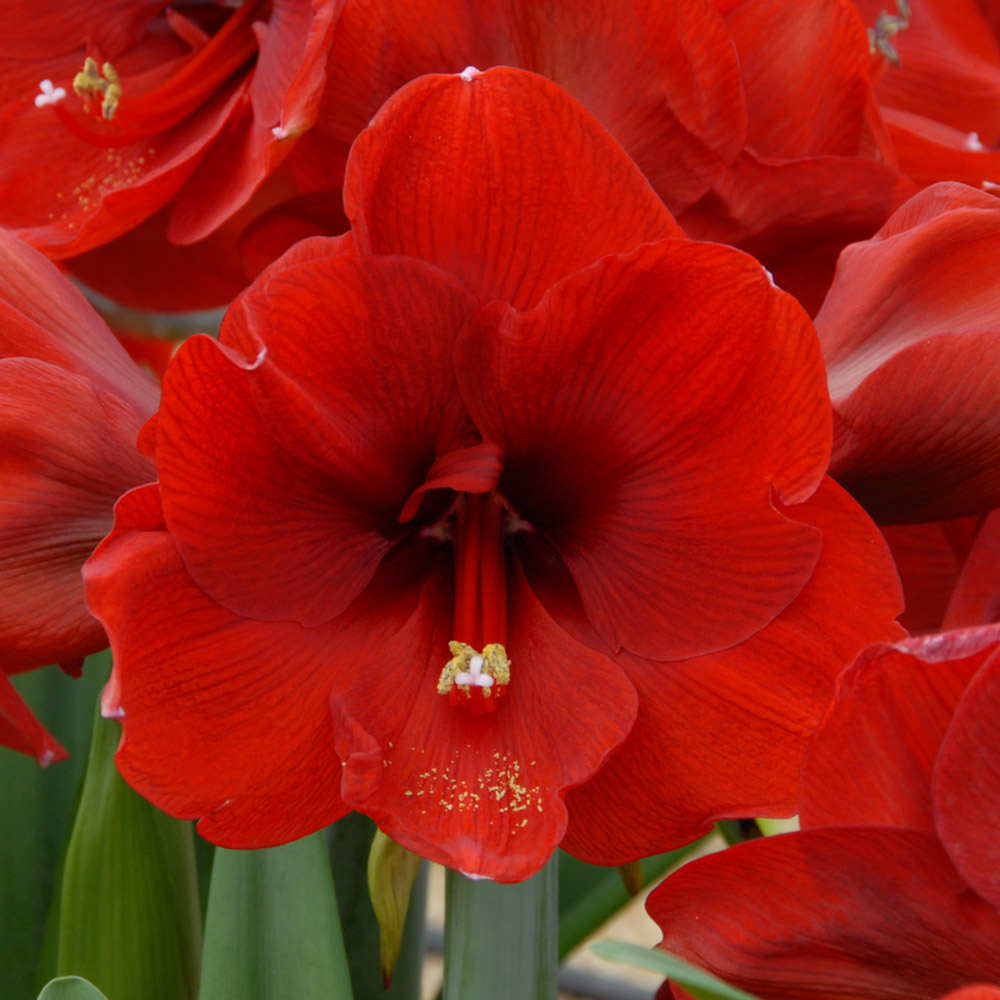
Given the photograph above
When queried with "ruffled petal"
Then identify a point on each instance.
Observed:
(283, 478)
(68, 452)
(723, 736)
(224, 717)
(480, 793)
(787, 49)
(796, 216)
(975, 599)
(662, 78)
(912, 343)
(43, 316)
(929, 558)
(561, 192)
(831, 914)
(893, 706)
(21, 731)
(967, 781)
(646, 453)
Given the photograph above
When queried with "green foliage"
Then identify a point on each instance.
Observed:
(697, 982)
(272, 930)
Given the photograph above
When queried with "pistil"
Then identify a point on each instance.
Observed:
(477, 680)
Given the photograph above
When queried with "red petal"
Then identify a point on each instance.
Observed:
(141, 269)
(913, 352)
(561, 192)
(893, 706)
(929, 557)
(21, 731)
(68, 453)
(295, 468)
(482, 794)
(928, 151)
(43, 316)
(967, 783)
(786, 49)
(223, 717)
(796, 216)
(723, 736)
(30, 30)
(662, 78)
(831, 914)
(949, 66)
(976, 597)
(645, 454)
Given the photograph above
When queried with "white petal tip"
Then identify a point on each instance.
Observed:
(474, 877)
(279, 133)
(469, 73)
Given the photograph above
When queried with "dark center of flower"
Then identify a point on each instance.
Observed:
(118, 117)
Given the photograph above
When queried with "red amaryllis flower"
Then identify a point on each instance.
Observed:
(891, 887)
(911, 337)
(73, 403)
(428, 558)
(141, 104)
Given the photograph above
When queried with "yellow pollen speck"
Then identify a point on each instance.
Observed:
(90, 82)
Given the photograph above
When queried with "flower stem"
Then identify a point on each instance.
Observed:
(501, 940)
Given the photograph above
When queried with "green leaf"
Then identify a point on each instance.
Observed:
(500, 940)
(71, 988)
(38, 810)
(129, 919)
(272, 930)
(696, 981)
(590, 894)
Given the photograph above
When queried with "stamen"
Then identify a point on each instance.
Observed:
(90, 82)
(887, 26)
(475, 680)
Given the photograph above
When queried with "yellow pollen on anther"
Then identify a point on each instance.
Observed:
(467, 668)
(91, 81)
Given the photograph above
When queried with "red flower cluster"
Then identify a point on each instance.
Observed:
(508, 509)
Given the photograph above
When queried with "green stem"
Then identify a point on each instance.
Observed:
(501, 941)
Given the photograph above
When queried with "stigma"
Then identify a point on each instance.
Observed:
(475, 680)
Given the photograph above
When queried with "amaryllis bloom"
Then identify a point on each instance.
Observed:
(71, 405)
(891, 888)
(435, 557)
(911, 337)
(110, 110)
